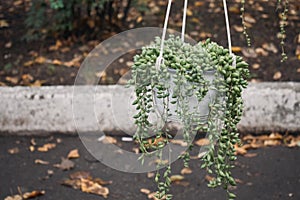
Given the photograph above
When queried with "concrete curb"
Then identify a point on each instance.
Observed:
(44, 110)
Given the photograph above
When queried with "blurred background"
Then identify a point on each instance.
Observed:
(43, 42)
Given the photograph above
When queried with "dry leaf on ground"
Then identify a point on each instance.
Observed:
(40, 60)
(89, 186)
(209, 178)
(73, 154)
(175, 178)
(65, 164)
(240, 150)
(14, 197)
(249, 53)
(47, 147)
(277, 75)
(13, 80)
(107, 140)
(145, 191)
(179, 142)
(250, 155)
(31, 148)
(3, 23)
(186, 171)
(26, 195)
(33, 194)
(42, 162)
(202, 142)
(270, 47)
(272, 142)
(236, 49)
(14, 150)
(86, 183)
(150, 175)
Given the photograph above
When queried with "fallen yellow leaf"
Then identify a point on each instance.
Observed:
(250, 155)
(57, 62)
(239, 150)
(189, 12)
(38, 83)
(31, 148)
(89, 186)
(14, 197)
(14, 150)
(255, 66)
(47, 147)
(13, 80)
(42, 162)
(236, 49)
(202, 142)
(40, 60)
(145, 191)
(3, 23)
(175, 178)
(28, 63)
(186, 171)
(139, 19)
(209, 178)
(272, 142)
(107, 140)
(17, 3)
(73, 154)
(234, 9)
(277, 75)
(179, 142)
(27, 77)
(33, 194)
(199, 3)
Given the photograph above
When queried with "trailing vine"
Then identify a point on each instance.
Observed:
(242, 16)
(282, 25)
(182, 77)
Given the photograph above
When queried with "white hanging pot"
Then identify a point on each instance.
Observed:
(198, 109)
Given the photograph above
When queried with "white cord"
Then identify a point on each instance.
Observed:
(184, 20)
(228, 33)
(160, 58)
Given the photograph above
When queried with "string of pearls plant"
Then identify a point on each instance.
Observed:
(182, 76)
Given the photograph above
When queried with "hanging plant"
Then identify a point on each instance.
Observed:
(196, 86)
(182, 76)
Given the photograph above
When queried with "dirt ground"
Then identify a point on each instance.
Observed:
(55, 61)
(270, 173)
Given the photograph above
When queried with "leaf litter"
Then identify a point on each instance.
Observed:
(83, 181)
(273, 139)
(26, 195)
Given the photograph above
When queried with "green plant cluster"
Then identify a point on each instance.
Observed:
(60, 17)
(190, 63)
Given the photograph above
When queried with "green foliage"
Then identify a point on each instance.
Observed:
(190, 63)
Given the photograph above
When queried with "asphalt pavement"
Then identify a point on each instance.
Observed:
(269, 173)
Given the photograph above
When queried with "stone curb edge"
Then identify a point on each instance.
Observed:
(269, 107)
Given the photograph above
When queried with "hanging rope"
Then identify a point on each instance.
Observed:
(228, 32)
(184, 20)
(160, 58)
